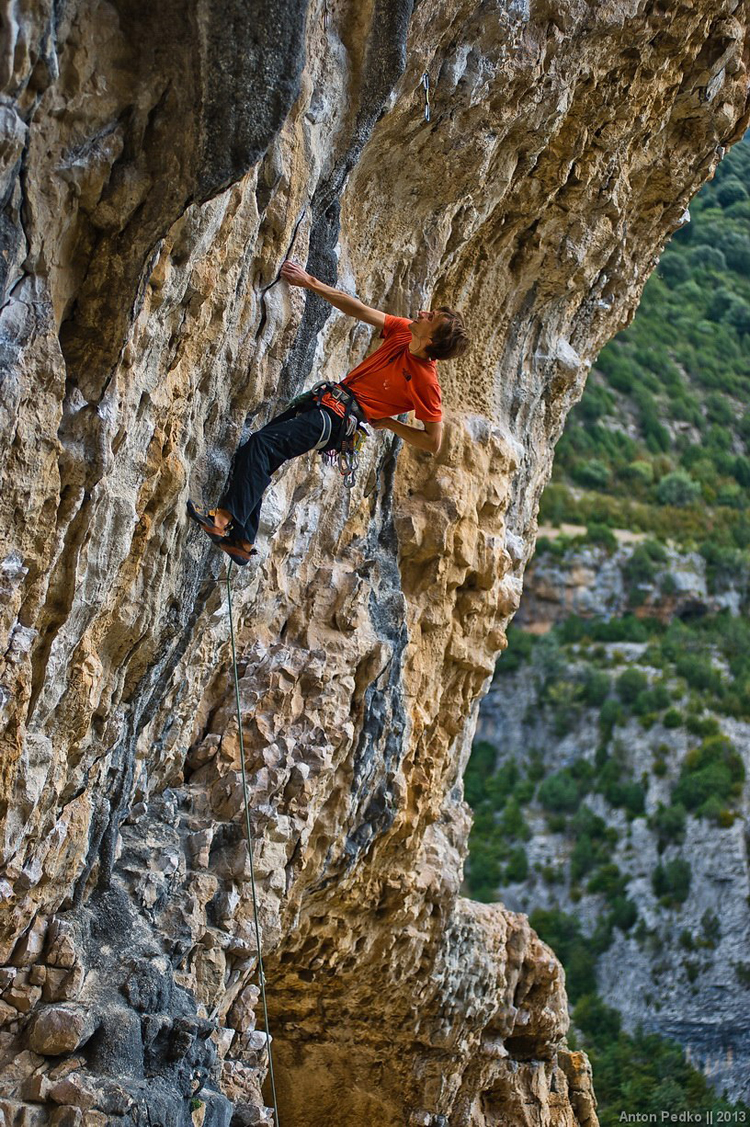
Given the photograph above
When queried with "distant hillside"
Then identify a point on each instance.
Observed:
(660, 442)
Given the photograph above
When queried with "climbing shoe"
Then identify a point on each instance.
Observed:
(237, 554)
(206, 522)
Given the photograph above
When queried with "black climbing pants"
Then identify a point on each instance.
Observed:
(287, 436)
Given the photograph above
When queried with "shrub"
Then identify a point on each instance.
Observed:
(623, 913)
(518, 865)
(610, 714)
(651, 700)
(596, 1019)
(595, 688)
(736, 248)
(639, 569)
(630, 684)
(711, 928)
(744, 426)
(742, 470)
(671, 882)
(631, 796)
(616, 367)
(597, 401)
(582, 857)
(730, 191)
(563, 933)
(591, 824)
(698, 672)
(593, 474)
(609, 880)
(719, 409)
(557, 823)
(708, 258)
(513, 823)
(696, 788)
(479, 768)
(742, 970)
(601, 534)
(639, 472)
(523, 792)
(672, 718)
(677, 488)
(702, 726)
(561, 699)
(484, 871)
(710, 776)
(559, 792)
(520, 645)
(535, 768)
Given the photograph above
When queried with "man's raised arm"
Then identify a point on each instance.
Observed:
(352, 306)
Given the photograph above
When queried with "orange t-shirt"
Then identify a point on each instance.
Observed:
(392, 381)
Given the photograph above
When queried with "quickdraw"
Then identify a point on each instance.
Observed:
(347, 457)
(426, 87)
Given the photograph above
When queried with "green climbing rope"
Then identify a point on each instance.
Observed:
(249, 834)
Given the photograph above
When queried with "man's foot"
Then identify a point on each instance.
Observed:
(214, 522)
(239, 551)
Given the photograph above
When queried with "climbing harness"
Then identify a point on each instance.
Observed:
(345, 453)
(249, 835)
(426, 85)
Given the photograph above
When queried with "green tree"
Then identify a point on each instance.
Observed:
(677, 488)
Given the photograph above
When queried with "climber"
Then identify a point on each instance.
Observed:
(400, 376)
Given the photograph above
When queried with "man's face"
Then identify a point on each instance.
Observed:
(424, 325)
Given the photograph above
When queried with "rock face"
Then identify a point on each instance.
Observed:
(159, 163)
(591, 581)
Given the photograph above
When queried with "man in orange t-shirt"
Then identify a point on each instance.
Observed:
(399, 377)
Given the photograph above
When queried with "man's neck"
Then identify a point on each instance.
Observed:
(419, 353)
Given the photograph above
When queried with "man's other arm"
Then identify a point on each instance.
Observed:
(352, 306)
(428, 439)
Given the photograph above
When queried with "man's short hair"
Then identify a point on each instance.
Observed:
(450, 338)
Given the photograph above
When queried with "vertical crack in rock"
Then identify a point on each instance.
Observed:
(383, 64)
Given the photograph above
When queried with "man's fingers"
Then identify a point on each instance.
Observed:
(293, 273)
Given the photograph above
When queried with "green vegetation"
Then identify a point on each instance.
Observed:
(498, 795)
(668, 823)
(660, 441)
(711, 776)
(689, 654)
(641, 1072)
(672, 882)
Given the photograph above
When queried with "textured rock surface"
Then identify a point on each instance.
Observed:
(591, 581)
(159, 163)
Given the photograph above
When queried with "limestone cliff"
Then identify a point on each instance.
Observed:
(159, 163)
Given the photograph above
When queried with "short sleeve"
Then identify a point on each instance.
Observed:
(428, 400)
(395, 325)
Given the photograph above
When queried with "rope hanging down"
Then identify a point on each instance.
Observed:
(249, 834)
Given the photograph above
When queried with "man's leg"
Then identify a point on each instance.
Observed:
(258, 458)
